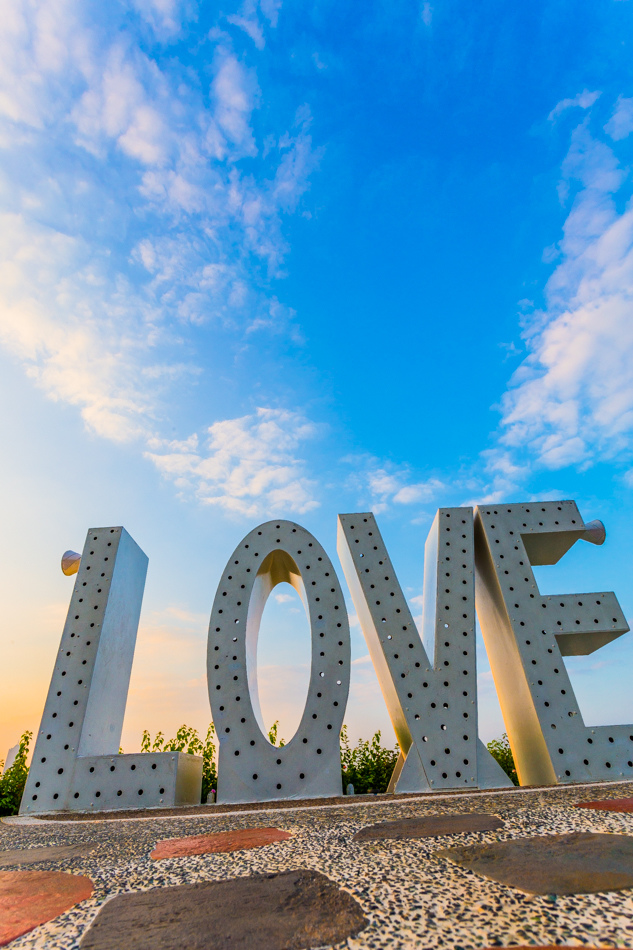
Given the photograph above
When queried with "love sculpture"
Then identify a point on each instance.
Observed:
(473, 559)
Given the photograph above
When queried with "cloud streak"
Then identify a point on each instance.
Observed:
(379, 484)
(141, 217)
(571, 400)
(245, 466)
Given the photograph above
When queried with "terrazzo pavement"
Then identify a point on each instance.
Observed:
(412, 898)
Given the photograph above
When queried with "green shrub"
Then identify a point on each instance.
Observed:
(368, 766)
(272, 735)
(188, 740)
(12, 781)
(500, 750)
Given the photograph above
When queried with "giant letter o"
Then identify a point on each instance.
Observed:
(250, 769)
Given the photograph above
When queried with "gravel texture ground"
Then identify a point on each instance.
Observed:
(412, 898)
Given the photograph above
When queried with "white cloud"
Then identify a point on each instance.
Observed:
(118, 106)
(502, 478)
(270, 10)
(284, 598)
(131, 224)
(584, 100)
(254, 16)
(251, 27)
(166, 17)
(571, 400)
(418, 492)
(235, 92)
(381, 484)
(248, 466)
(79, 336)
(37, 42)
(621, 122)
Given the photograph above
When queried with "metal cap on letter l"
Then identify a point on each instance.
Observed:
(250, 769)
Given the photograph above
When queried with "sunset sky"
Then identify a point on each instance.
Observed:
(275, 259)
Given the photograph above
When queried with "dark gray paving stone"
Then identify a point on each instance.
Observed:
(289, 911)
(552, 864)
(428, 827)
(56, 852)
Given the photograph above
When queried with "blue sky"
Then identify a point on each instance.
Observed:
(284, 260)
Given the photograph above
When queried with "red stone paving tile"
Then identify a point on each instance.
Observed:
(609, 804)
(219, 842)
(29, 898)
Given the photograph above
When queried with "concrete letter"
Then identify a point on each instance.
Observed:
(527, 635)
(76, 766)
(250, 769)
(430, 689)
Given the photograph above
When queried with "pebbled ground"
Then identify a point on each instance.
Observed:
(412, 897)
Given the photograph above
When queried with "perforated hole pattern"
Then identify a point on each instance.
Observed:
(58, 778)
(249, 768)
(509, 533)
(436, 697)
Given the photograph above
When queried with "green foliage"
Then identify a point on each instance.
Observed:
(368, 766)
(148, 746)
(188, 740)
(500, 750)
(12, 781)
(272, 735)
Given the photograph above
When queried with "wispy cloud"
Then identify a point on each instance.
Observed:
(248, 466)
(584, 100)
(621, 122)
(140, 204)
(571, 400)
(380, 484)
(81, 333)
(166, 17)
(253, 16)
(284, 598)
